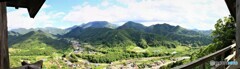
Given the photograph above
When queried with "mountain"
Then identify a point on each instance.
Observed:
(21, 30)
(206, 32)
(51, 30)
(114, 37)
(180, 34)
(99, 24)
(12, 36)
(37, 43)
(132, 25)
(71, 28)
(74, 31)
(131, 33)
(95, 24)
(12, 33)
(163, 29)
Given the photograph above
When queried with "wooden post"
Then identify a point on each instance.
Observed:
(202, 66)
(4, 56)
(222, 59)
(237, 28)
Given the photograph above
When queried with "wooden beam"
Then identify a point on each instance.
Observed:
(33, 6)
(237, 27)
(4, 56)
(230, 57)
(231, 7)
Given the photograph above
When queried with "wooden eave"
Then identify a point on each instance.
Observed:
(33, 6)
(231, 4)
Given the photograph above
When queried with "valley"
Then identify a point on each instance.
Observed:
(154, 62)
(101, 45)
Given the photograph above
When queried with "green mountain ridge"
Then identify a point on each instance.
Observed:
(114, 37)
(52, 30)
(94, 24)
(133, 25)
(38, 43)
(136, 34)
(132, 33)
(180, 34)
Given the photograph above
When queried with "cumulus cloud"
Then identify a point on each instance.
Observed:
(19, 18)
(105, 3)
(200, 14)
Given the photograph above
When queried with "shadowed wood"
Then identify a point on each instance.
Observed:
(33, 6)
(231, 4)
(237, 28)
(230, 57)
(4, 57)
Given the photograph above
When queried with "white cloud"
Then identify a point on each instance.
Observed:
(105, 3)
(45, 6)
(19, 18)
(200, 14)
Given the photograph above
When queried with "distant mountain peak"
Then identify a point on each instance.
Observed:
(103, 22)
(132, 25)
(51, 30)
(40, 31)
(95, 24)
(131, 22)
(164, 24)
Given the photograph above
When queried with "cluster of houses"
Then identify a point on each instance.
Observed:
(133, 65)
(77, 46)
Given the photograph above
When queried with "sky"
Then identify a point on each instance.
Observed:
(191, 14)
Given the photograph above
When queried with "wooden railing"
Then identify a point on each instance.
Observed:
(201, 62)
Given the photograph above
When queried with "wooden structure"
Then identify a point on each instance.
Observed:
(202, 62)
(234, 8)
(33, 7)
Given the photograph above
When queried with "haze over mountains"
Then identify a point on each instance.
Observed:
(94, 24)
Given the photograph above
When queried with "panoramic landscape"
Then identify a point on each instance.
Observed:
(94, 35)
(100, 44)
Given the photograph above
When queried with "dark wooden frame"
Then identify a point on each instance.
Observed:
(4, 57)
(33, 7)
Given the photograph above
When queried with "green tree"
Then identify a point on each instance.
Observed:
(224, 32)
(143, 43)
(223, 35)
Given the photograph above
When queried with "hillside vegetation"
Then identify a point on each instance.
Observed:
(132, 33)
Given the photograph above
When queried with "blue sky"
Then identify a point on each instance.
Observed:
(191, 14)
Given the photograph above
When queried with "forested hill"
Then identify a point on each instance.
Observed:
(132, 33)
(37, 40)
